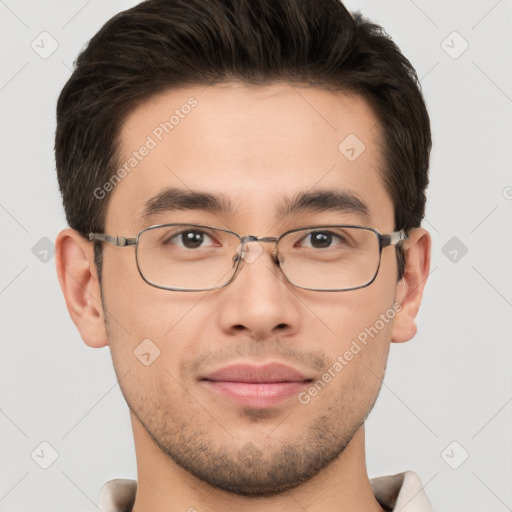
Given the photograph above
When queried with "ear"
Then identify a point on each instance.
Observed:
(410, 288)
(79, 283)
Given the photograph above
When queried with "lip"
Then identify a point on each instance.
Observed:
(257, 386)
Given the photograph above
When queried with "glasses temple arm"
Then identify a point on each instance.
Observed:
(393, 238)
(118, 241)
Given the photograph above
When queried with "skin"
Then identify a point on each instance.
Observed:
(255, 145)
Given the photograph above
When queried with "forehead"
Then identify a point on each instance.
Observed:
(256, 146)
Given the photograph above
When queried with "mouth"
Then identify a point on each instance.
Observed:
(257, 386)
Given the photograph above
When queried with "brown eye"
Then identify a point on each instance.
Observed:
(321, 239)
(190, 239)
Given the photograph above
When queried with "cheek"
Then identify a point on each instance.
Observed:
(150, 330)
(349, 315)
(359, 326)
(138, 310)
(351, 383)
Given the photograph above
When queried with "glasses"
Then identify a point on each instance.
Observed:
(193, 257)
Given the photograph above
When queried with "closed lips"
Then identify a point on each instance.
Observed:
(248, 373)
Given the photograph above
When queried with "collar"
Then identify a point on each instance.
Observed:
(402, 492)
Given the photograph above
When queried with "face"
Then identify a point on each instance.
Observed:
(260, 384)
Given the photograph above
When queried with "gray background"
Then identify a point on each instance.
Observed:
(452, 384)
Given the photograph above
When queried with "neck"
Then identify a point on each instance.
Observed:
(163, 486)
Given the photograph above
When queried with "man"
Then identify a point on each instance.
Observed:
(244, 184)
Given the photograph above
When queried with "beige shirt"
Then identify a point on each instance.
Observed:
(397, 493)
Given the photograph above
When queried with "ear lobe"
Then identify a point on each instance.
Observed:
(74, 257)
(417, 267)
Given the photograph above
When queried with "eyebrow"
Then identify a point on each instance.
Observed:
(329, 200)
(171, 199)
(325, 200)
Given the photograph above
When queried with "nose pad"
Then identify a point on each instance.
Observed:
(248, 253)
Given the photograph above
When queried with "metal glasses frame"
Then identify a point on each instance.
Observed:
(385, 240)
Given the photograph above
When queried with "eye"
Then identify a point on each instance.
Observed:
(322, 239)
(191, 239)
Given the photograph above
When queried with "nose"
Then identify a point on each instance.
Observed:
(259, 302)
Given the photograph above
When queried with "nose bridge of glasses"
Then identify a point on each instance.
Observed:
(250, 255)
